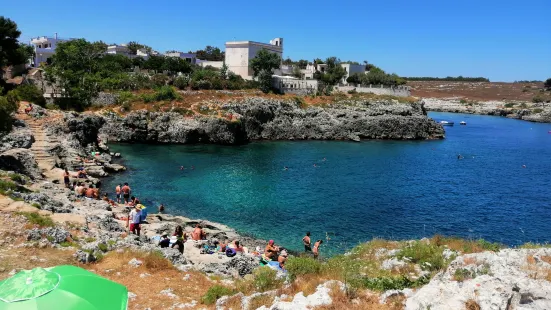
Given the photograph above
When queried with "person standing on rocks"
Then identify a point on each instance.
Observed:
(66, 178)
(135, 218)
(307, 242)
(118, 192)
(316, 248)
(126, 192)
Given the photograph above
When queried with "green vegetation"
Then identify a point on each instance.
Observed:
(509, 105)
(537, 110)
(163, 93)
(263, 65)
(12, 52)
(547, 84)
(66, 244)
(393, 283)
(449, 79)
(7, 107)
(103, 247)
(36, 205)
(210, 53)
(7, 186)
(376, 76)
(37, 219)
(265, 279)
(537, 99)
(215, 292)
(462, 274)
(428, 256)
(29, 93)
(299, 266)
(90, 239)
(16, 177)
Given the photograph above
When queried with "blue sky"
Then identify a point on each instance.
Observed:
(503, 40)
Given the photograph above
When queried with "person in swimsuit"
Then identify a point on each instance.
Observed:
(271, 250)
(316, 248)
(118, 192)
(66, 178)
(126, 192)
(307, 242)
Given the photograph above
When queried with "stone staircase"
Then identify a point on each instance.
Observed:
(43, 144)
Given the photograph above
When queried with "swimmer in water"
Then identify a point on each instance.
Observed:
(324, 159)
(285, 168)
(192, 167)
(459, 156)
(315, 166)
(181, 167)
(523, 166)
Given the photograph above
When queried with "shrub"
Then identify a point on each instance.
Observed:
(166, 93)
(102, 247)
(67, 244)
(462, 274)
(181, 82)
(537, 110)
(16, 177)
(7, 186)
(523, 105)
(537, 99)
(426, 255)
(7, 107)
(393, 283)
(156, 261)
(37, 219)
(36, 205)
(486, 245)
(352, 91)
(509, 105)
(159, 79)
(298, 266)
(265, 278)
(215, 292)
(30, 93)
(462, 101)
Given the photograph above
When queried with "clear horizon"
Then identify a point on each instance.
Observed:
(499, 40)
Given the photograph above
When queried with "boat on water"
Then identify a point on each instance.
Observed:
(446, 123)
(462, 123)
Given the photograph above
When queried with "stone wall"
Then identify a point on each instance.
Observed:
(398, 91)
(295, 86)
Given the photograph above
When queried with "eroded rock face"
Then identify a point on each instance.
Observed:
(269, 119)
(21, 161)
(44, 202)
(508, 279)
(19, 138)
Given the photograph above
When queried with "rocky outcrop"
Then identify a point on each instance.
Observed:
(270, 119)
(508, 279)
(524, 111)
(19, 138)
(21, 161)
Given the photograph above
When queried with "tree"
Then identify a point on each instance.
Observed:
(263, 65)
(296, 72)
(210, 53)
(302, 63)
(224, 71)
(334, 72)
(73, 69)
(547, 83)
(134, 46)
(7, 107)
(11, 51)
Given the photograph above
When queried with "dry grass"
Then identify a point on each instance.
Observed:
(259, 301)
(161, 276)
(546, 259)
(234, 303)
(470, 261)
(29, 258)
(472, 305)
(364, 300)
(475, 91)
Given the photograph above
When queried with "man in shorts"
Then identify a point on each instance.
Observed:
(126, 192)
(118, 191)
(307, 242)
(135, 218)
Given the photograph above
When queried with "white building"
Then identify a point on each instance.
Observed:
(119, 50)
(44, 49)
(189, 57)
(239, 54)
(351, 69)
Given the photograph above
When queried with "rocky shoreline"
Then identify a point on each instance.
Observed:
(540, 112)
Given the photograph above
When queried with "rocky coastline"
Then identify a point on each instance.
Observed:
(533, 112)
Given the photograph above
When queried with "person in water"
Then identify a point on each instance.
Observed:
(126, 192)
(316, 248)
(459, 156)
(285, 168)
(66, 178)
(118, 192)
(307, 242)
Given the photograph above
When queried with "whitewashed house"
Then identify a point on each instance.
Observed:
(44, 49)
(119, 50)
(239, 54)
(189, 57)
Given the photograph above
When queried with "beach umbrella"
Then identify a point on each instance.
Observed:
(61, 288)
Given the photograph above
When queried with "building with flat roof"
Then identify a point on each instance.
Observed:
(119, 50)
(351, 69)
(189, 57)
(239, 54)
(44, 49)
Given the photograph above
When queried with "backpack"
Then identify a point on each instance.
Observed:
(230, 252)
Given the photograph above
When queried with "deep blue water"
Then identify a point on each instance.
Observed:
(389, 189)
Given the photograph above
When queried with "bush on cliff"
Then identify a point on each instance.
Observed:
(30, 93)
(7, 107)
(299, 266)
(215, 292)
(428, 256)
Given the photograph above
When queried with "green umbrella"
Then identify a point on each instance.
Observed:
(61, 288)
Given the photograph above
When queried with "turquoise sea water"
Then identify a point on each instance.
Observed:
(388, 189)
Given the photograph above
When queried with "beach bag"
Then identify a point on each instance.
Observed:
(230, 252)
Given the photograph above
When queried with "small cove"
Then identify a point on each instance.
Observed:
(387, 189)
